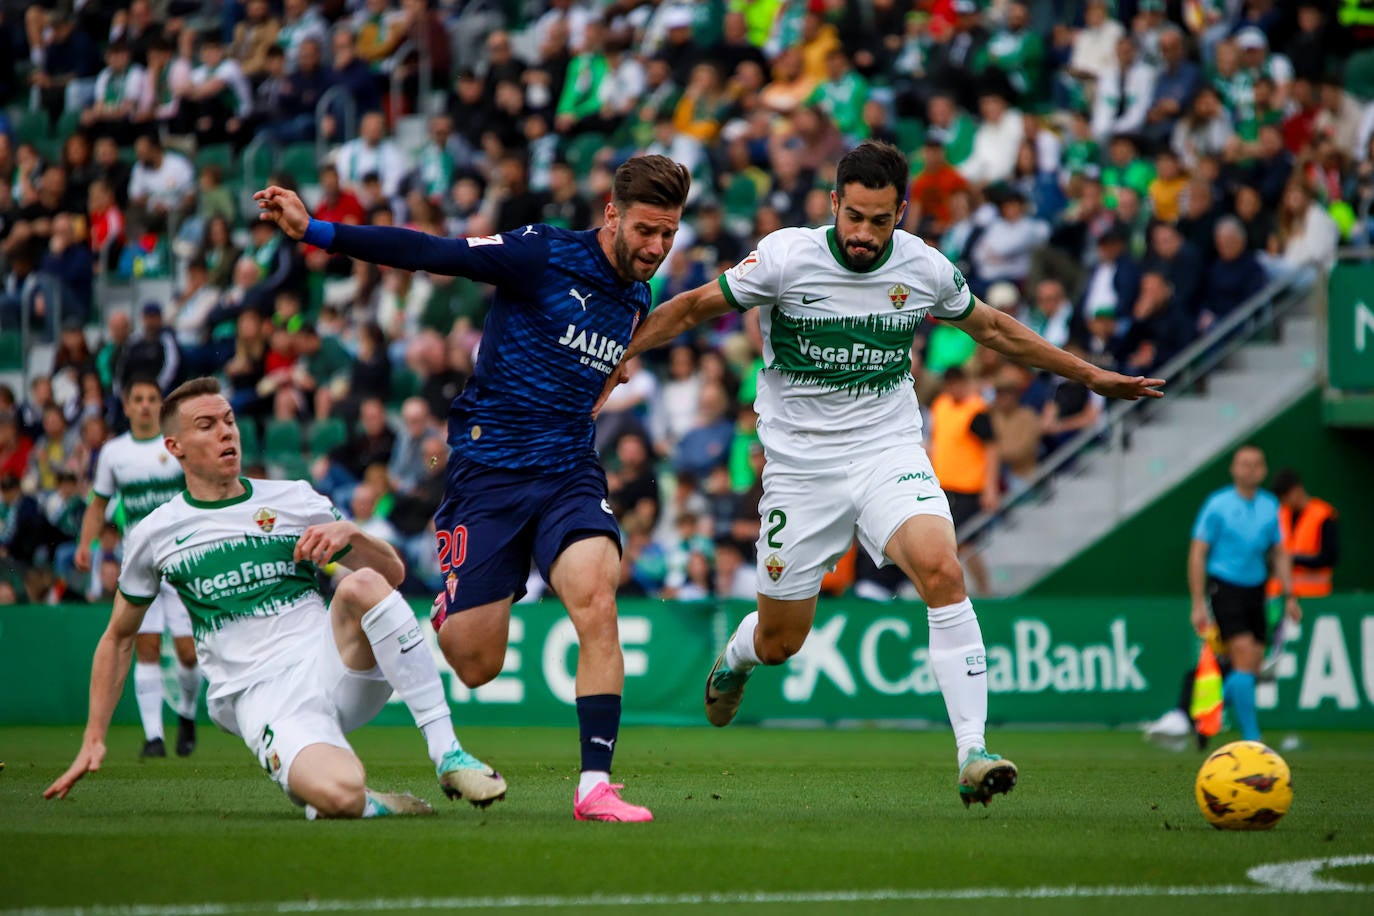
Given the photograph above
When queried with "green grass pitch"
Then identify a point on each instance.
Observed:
(753, 821)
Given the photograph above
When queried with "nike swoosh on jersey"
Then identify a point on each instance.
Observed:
(185, 536)
(921, 499)
(807, 300)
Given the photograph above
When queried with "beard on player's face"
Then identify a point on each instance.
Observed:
(633, 265)
(865, 219)
(859, 254)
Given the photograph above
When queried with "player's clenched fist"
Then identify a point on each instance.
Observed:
(320, 543)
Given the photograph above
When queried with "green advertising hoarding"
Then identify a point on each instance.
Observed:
(1062, 661)
(1350, 318)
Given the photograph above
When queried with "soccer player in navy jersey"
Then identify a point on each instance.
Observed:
(523, 477)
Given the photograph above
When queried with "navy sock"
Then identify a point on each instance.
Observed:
(598, 719)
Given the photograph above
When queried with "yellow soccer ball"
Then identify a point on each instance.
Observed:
(1244, 785)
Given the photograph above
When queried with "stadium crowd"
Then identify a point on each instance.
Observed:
(1118, 176)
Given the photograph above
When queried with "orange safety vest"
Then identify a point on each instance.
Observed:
(959, 457)
(1305, 538)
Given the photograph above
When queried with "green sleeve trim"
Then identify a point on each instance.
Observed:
(341, 554)
(137, 599)
(729, 296)
(972, 304)
(97, 493)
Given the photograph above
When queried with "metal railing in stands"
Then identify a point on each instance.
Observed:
(347, 129)
(1259, 313)
(424, 77)
(252, 182)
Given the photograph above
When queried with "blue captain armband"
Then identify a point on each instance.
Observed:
(319, 233)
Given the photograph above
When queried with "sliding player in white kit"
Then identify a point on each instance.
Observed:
(841, 429)
(287, 674)
(136, 468)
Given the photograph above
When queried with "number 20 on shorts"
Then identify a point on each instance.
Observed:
(453, 547)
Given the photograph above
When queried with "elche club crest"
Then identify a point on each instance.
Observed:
(266, 519)
(897, 293)
(774, 565)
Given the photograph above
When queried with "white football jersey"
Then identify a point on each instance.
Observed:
(837, 342)
(141, 472)
(254, 609)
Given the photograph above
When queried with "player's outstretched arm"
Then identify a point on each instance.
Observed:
(322, 543)
(109, 668)
(91, 523)
(1197, 584)
(1007, 336)
(676, 316)
(495, 260)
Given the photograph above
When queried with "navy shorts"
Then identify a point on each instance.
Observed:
(1238, 609)
(493, 521)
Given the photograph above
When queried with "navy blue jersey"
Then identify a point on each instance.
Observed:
(558, 325)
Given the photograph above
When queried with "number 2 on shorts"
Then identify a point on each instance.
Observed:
(777, 520)
(453, 547)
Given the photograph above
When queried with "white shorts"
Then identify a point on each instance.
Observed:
(167, 612)
(315, 701)
(809, 515)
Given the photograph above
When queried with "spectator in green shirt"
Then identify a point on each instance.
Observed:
(1018, 53)
(842, 96)
(1126, 169)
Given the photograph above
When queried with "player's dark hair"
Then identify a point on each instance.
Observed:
(184, 392)
(654, 180)
(1285, 481)
(875, 165)
(141, 379)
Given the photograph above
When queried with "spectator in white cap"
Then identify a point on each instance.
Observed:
(1256, 59)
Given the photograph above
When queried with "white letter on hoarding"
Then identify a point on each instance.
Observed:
(558, 644)
(819, 654)
(868, 655)
(1327, 674)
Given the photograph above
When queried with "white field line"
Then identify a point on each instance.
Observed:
(1284, 878)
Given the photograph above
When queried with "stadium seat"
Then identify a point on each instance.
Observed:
(257, 162)
(283, 437)
(220, 154)
(250, 443)
(740, 198)
(404, 384)
(299, 161)
(11, 351)
(581, 152)
(31, 127)
(293, 466)
(68, 124)
(910, 136)
(326, 433)
(1359, 74)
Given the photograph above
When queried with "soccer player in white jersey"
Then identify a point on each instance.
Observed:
(137, 468)
(841, 429)
(287, 674)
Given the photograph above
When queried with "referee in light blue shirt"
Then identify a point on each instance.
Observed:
(1235, 540)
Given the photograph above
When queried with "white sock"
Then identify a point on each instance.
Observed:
(148, 693)
(960, 663)
(398, 643)
(590, 780)
(189, 680)
(740, 655)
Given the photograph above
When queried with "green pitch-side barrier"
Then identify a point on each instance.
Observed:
(1064, 661)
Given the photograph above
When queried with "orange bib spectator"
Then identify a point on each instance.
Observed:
(1311, 536)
